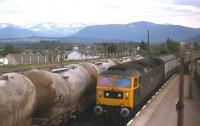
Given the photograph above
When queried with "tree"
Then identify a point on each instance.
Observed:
(163, 49)
(105, 46)
(10, 49)
(111, 48)
(143, 45)
(172, 45)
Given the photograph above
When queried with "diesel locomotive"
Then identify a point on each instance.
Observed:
(123, 87)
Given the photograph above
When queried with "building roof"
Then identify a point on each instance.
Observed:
(133, 68)
(90, 52)
(74, 50)
(167, 58)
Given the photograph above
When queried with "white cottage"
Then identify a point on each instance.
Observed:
(77, 54)
(74, 55)
(3, 60)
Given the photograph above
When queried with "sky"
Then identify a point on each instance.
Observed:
(179, 12)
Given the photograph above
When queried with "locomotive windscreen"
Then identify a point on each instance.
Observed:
(123, 82)
(105, 81)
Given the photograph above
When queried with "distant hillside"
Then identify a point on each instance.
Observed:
(16, 32)
(27, 39)
(61, 39)
(194, 39)
(135, 32)
(138, 31)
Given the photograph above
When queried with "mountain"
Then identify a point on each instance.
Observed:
(194, 39)
(52, 29)
(16, 32)
(138, 31)
(4, 25)
(42, 29)
(79, 32)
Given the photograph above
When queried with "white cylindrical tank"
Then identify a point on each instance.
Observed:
(53, 92)
(17, 100)
(63, 92)
(82, 79)
(105, 65)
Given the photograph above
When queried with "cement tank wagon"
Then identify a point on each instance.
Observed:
(61, 94)
(17, 100)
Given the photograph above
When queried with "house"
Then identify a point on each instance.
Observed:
(90, 52)
(77, 54)
(73, 55)
(34, 58)
(3, 60)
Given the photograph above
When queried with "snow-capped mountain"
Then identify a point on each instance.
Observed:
(5, 25)
(56, 29)
(49, 29)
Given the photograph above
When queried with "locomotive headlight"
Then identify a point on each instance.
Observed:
(107, 94)
(119, 95)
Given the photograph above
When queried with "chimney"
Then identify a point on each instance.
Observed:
(75, 47)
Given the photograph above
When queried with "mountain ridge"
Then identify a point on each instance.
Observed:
(41, 29)
(194, 39)
(135, 32)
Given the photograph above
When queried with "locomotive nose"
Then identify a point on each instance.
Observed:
(124, 112)
(98, 110)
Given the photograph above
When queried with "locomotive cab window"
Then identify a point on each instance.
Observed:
(135, 82)
(123, 82)
(105, 81)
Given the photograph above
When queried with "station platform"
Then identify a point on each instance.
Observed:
(161, 108)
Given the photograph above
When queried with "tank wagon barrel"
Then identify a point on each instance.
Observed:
(17, 100)
(63, 92)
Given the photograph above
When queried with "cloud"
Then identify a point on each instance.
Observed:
(97, 11)
(195, 3)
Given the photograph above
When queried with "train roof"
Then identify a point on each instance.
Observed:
(133, 68)
(167, 58)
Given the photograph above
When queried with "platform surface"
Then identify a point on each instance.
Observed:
(161, 109)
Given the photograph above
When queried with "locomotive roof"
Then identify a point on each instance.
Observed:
(133, 68)
(167, 58)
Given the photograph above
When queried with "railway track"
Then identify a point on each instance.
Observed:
(44, 67)
(26, 68)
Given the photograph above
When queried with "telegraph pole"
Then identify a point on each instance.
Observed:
(192, 65)
(180, 104)
(148, 38)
